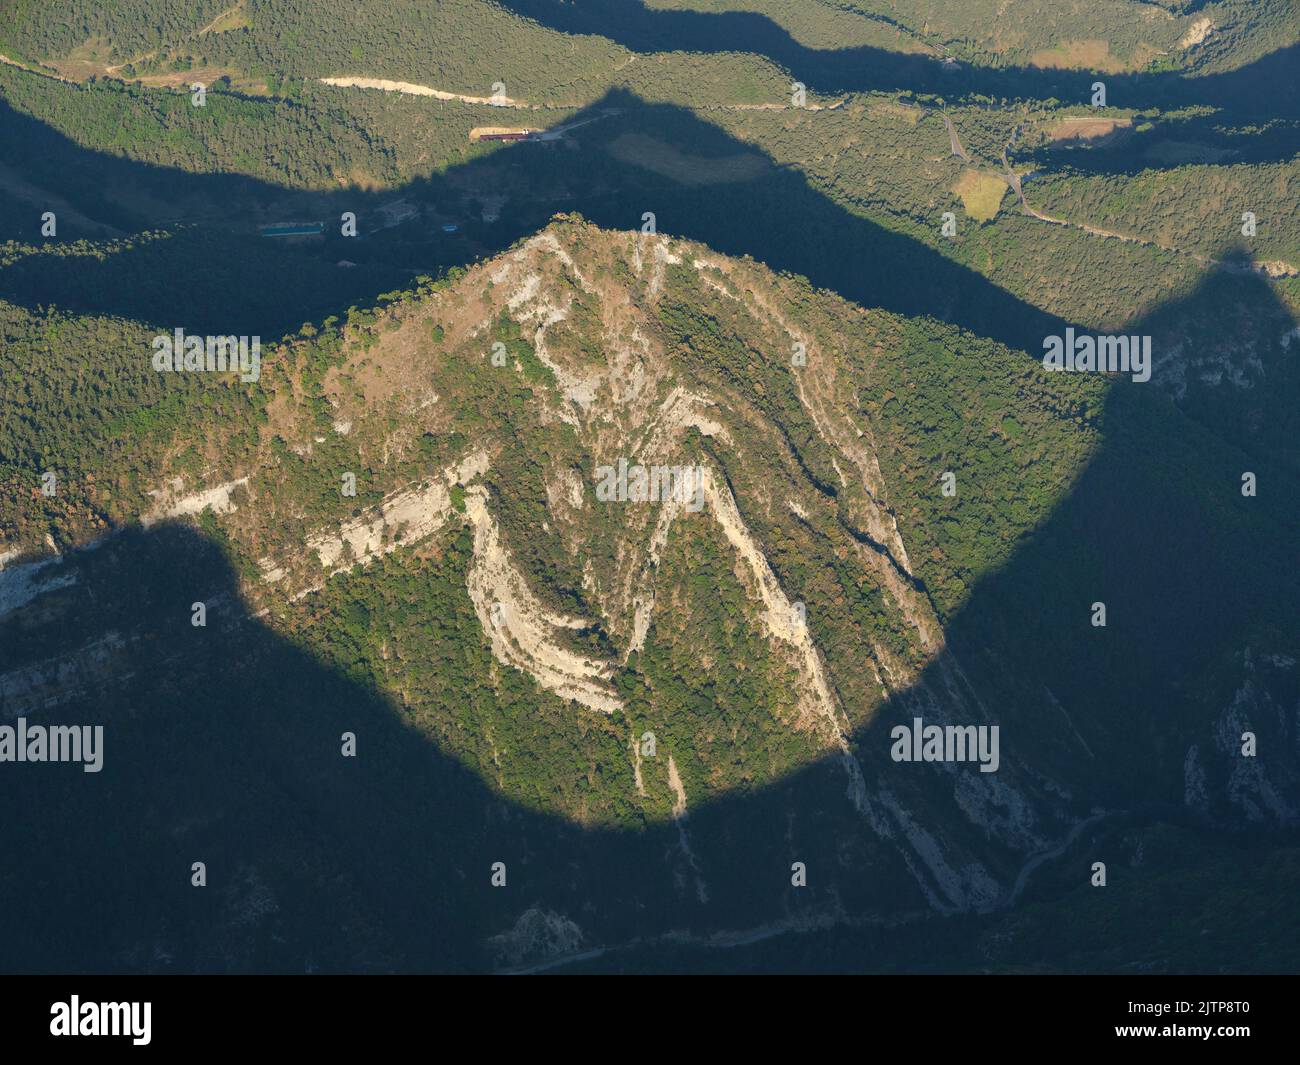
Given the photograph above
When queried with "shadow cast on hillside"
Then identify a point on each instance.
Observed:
(202, 280)
(1265, 86)
(223, 746)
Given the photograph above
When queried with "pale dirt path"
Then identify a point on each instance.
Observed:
(411, 88)
(953, 139)
(33, 70)
(210, 25)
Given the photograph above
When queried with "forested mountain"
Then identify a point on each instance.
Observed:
(477, 490)
(501, 260)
